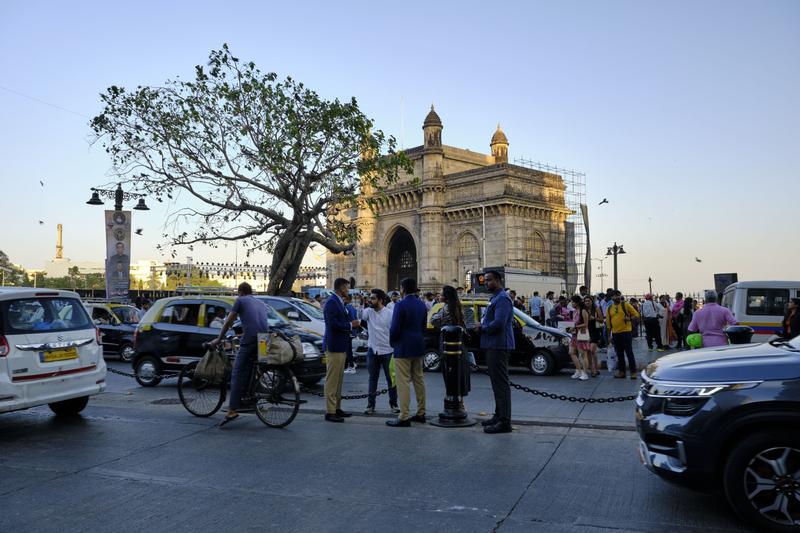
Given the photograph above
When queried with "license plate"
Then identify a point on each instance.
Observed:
(58, 355)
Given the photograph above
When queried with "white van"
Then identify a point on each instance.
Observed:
(760, 304)
(50, 351)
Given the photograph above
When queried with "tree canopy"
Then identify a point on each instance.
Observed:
(249, 158)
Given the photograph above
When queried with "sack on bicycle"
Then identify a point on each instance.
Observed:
(276, 348)
(213, 366)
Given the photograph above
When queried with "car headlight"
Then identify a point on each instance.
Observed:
(565, 341)
(663, 389)
(310, 351)
(686, 398)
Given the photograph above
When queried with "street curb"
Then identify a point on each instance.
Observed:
(541, 423)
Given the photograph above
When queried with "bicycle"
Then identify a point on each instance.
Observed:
(273, 389)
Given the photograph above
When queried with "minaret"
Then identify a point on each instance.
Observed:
(499, 146)
(59, 246)
(430, 259)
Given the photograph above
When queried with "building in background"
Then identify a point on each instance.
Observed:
(459, 212)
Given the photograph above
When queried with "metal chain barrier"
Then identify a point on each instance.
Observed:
(128, 374)
(312, 392)
(561, 397)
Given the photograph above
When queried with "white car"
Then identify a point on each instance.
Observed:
(50, 351)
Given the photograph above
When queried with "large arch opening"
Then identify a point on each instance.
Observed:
(402, 260)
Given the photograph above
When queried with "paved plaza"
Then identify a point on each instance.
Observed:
(136, 460)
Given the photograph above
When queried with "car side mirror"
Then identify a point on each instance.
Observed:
(294, 315)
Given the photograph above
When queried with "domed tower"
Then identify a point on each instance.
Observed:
(499, 146)
(432, 128)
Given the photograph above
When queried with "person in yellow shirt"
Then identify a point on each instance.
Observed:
(618, 320)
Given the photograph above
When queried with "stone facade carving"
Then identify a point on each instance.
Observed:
(462, 207)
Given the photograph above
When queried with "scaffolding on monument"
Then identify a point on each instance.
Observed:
(572, 254)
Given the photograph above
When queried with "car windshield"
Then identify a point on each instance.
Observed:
(275, 320)
(309, 309)
(33, 315)
(528, 321)
(126, 313)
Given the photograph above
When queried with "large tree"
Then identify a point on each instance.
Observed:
(249, 158)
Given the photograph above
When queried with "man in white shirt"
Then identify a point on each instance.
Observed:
(651, 311)
(395, 296)
(379, 319)
(548, 305)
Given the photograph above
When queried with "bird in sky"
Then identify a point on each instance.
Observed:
(605, 201)
(41, 183)
(138, 231)
(698, 259)
(41, 222)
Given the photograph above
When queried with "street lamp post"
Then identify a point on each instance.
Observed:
(602, 275)
(615, 251)
(650, 283)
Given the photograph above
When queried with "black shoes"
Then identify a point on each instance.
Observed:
(502, 426)
(333, 418)
(492, 421)
(343, 414)
(419, 419)
(397, 423)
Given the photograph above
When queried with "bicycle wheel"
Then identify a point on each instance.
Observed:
(277, 396)
(197, 395)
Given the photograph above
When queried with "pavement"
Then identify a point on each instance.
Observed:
(136, 460)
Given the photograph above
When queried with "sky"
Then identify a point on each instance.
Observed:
(684, 115)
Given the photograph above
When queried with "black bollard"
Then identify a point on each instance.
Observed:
(455, 371)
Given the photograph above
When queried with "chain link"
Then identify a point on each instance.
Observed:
(476, 368)
(561, 397)
(155, 376)
(312, 392)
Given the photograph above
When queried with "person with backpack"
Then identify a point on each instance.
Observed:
(619, 319)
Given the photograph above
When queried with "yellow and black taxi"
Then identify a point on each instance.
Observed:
(117, 324)
(172, 332)
(540, 349)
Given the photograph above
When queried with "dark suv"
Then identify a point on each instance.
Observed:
(173, 331)
(730, 417)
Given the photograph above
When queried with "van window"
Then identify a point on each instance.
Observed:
(31, 315)
(727, 299)
(762, 302)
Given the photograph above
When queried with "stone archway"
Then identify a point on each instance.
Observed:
(401, 259)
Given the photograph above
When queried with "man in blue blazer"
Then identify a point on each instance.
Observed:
(406, 335)
(497, 340)
(336, 341)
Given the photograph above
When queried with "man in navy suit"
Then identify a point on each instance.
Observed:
(406, 335)
(338, 327)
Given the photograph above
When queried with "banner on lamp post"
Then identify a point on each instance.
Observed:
(118, 259)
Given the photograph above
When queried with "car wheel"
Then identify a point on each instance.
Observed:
(69, 407)
(541, 363)
(432, 361)
(126, 352)
(147, 370)
(762, 480)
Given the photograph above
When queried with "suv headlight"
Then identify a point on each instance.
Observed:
(656, 389)
(310, 351)
(686, 398)
(565, 341)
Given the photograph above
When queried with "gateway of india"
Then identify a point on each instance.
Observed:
(459, 212)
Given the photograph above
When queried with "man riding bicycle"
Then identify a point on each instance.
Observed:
(253, 314)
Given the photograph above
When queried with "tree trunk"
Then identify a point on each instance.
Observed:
(286, 259)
